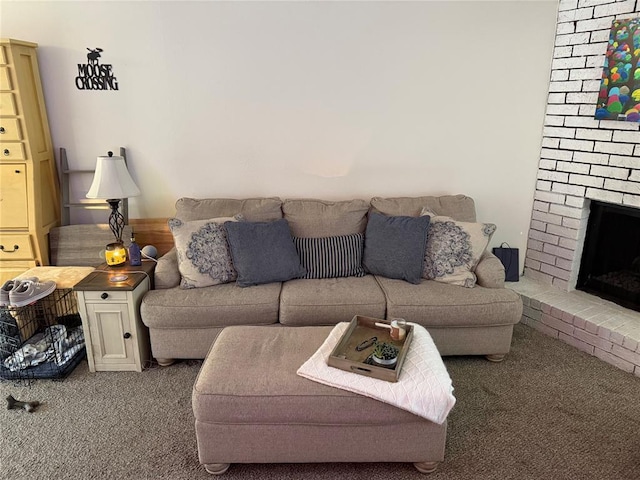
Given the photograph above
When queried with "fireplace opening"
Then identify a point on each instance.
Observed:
(610, 265)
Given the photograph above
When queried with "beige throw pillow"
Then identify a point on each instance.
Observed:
(454, 249)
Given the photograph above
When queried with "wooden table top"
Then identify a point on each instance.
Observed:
(105, 277)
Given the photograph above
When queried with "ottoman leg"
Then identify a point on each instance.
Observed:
(426, 467)
(217, 468)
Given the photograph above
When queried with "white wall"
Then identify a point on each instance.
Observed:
(334, 100)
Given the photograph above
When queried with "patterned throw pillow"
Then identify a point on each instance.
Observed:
(203, 251)
(331, 257)
(454, 249)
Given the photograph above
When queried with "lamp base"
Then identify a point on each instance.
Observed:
(116, 219)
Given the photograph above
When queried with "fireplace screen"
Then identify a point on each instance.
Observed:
(610, 266)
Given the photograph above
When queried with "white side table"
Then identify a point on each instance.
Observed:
(115, 336)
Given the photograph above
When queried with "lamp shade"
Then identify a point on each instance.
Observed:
(112, 180)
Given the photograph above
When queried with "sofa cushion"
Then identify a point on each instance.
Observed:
(331, 257)
(252, 209)
(331, 300)
(394, 246)
(459, 207)
(435, 304)
(319, 218)
(454, 249)
(203, 252)
(216, 306)
(263, 252)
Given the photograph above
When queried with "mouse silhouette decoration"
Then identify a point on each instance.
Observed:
(93, 55)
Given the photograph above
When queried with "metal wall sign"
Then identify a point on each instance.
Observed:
(95, 76)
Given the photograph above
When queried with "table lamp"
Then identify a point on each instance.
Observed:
(113, 182)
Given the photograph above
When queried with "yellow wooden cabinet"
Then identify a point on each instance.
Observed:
(29, 191)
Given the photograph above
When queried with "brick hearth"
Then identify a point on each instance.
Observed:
(589, 323)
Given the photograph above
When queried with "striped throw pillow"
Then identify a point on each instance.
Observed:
(331, 257)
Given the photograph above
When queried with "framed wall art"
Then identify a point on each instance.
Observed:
(619, 97)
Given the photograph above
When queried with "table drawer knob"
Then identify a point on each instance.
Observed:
(6, 152)
(15, 247)
(127, 335)
(104, 295)
(2, 130)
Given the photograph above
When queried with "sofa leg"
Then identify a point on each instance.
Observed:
(496, 358)
(426, 467)
(165, 362)
(217, 468)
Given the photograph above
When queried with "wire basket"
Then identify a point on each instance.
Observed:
(41, 340)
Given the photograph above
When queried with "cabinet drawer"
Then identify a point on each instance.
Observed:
(15, 247)
(10, 130)
(14, 206)
(11, 150)
(7, 104)
(112, 296)
(9, 270)
(5, 79)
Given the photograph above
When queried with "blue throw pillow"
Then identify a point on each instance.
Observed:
(394, 247)
(263, 252)
(331, 257)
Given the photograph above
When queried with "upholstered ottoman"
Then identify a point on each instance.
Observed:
(250, 406)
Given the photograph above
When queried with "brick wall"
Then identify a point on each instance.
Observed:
(581, 158)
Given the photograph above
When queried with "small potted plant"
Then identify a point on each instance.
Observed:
(385, 354)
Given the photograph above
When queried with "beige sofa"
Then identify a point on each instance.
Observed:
(183, 323)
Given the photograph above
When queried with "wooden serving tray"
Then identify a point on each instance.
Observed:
(345, 356)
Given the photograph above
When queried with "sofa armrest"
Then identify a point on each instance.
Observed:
(490, 271)
(167, 274)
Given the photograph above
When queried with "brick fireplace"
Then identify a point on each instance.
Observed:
(581, 160)
(610, 264)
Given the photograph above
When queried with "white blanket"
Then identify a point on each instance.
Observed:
(423, 388)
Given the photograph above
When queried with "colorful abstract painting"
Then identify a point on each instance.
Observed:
(619, 97)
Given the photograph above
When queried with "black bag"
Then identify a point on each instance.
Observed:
(510, 258)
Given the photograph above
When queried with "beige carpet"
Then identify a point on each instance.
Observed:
(547, 412)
